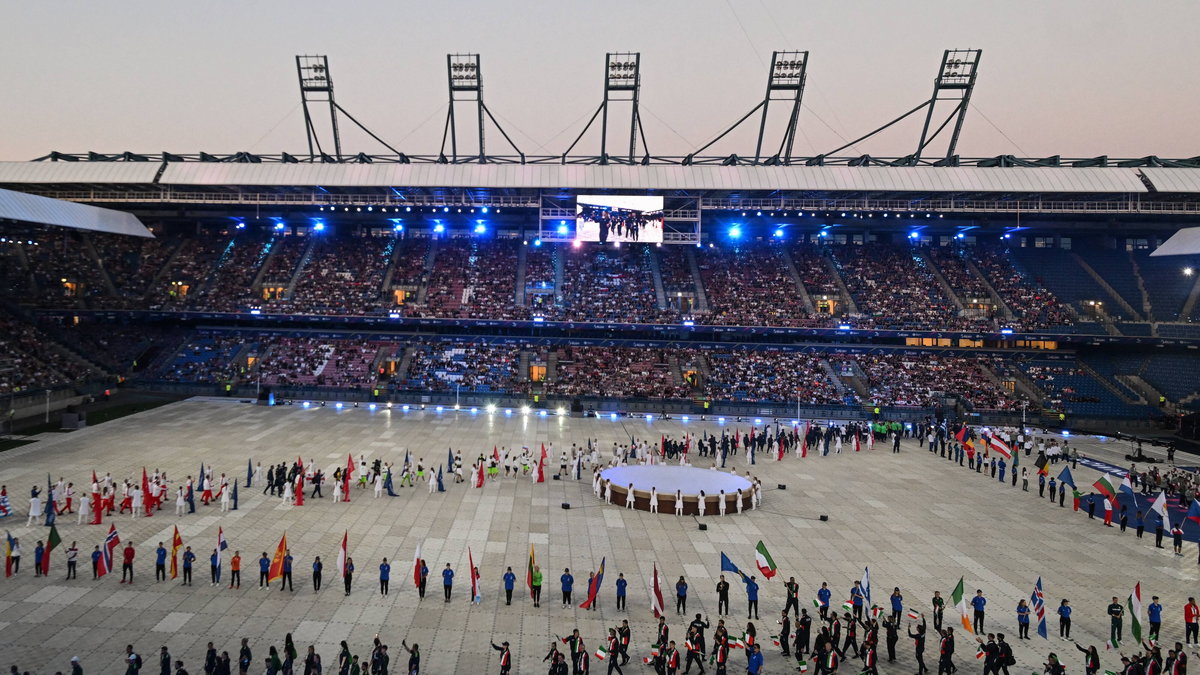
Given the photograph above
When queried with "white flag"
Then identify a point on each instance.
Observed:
(1160, 507)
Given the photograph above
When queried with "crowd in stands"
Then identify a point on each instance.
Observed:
(317, 362)
(750, 286)
(917, 380)
(204, 358)
(191, 267)
(131, 263)
(230, 288)
(1034, 307)
(475, 367)
(609, 284)
(894, 289)
(29, 359)
(814, 272)
(492, 281)
(343, 276)
(675, 271)
(620, 372)
(64, 273)
(770, 376)
(971, 290)
(1054, 380)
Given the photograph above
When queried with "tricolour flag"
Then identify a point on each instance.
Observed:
(1111, 645)
(8, 551)
(802, 666)
(51, 541)
(914, 614)
(847, 605)
(594, 586)
(275, 571)
(1134, 604)
(342, 551)
(960, 601)
(1106, 486)
(656, 596)
(176, 544)
(601, 654)
(763, 559)
(529, 572)
(1038, 599)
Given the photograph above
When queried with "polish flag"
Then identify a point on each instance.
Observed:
(417, 567)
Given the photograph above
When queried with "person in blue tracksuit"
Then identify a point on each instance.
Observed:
(567, 582)
(510, 581)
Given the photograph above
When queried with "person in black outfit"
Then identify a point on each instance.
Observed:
(317, 566)
(893, 636)
(918, 639)
(722, 596)
(414, 657)
(803, 631)
(785, 633)
(991, 653)
(1004, 655)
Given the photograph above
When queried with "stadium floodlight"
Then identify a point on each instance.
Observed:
(779, 233)
(316, 86)
(622, 83)
(913, 235)
(439, 228)
(735, 232)
(480, 228)
(562, 229)
(537, 242)
(1188, 271)
(318, 226)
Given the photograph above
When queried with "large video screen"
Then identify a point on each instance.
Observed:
(622, 218)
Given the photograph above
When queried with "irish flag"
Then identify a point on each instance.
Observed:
(1106, 486)
(765, 563)
(1134, 606)
(960, 601)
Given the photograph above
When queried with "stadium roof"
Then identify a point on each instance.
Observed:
(45, 211)
(922, 178)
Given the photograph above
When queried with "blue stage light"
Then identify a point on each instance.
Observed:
(735, 232)
(485, 209)
(480, 228)
(537, 242)
(439, 228)
(562, 230)
(779, 234)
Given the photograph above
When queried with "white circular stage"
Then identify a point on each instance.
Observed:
(669, 479)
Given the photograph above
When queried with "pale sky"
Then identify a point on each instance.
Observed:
(1070, 77)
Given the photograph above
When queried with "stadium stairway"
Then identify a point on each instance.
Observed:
(805, 298)
(660, 293)
(560, 265)
(925, 258)
(1111, 268)
(676, 372)
(1189, 306)
(847, 299)
(1166, 286)
(427, 272)
(1147, 310)
(300, 265)
(996, 299)
(833, 378)
(523, 366)
(519, 298)
(109, 287)
(694, 267)
(273, 250)
(168, 264)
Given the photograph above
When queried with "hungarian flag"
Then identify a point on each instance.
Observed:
(1000, 447)
(8, 550)
(765, 563)
(110, 546)
(275, 571)
(346, 477)
(594, 586)
(1106, 486)
(656, 596)
(341, 559)
(1134, 605)
(51, 541)
(960, 601)
(176, 544)
(417, 567)
(529, 572)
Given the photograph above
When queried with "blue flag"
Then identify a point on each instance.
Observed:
(866, 585)
(727, 565)
(441, 487)
(249, 474)
(234, 496)
(1066, 477)
(450, 459)
(51, 508)
(1039, 608)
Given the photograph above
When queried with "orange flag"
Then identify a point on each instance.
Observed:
(275, 571)
(176, 544)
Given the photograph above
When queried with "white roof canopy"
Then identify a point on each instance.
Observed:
(45, 211)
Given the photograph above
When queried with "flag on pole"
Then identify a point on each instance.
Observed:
(913, 614)
(728, 566)
(275, 571)
(479, 475)
(594, 586)
(541, 467)
(1110, 645)
(176, 544)
(106, 556)
(417, 567)
(1066, 478)
(147, 502)
(1193, 513)
(346, 475)
(857, 448)
(961, 434)
(804, 441)
(476, 594)
(601, 654)
(529, 572)
(656, 596)
(441, 486)
(1134, 604)
(1043, 465)
(249, 473)
(960, 601)
(866, 584)
(341, 559)
(1106, 486)
(8, 551)
(221, 546)
(1159, 506)
(51, 541)
(1038, 600)
(763, 559)
(1000, 447)
(1127, 488)
(450, 458)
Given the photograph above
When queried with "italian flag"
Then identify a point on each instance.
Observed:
(816, 603)
(1111, 645)
(1106, 486)
(1134, 605)
(979, 653)
(601, 654)
(847, 605)
(765, 563)
(647, 660)
(960, 601)
(803, 666)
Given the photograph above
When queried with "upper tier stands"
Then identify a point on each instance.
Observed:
(750, 285)
(608, 284)
(894, 289)
(343, 276)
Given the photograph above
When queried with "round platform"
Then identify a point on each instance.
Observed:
(667, 479)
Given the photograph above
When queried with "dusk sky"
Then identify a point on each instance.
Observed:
(1077, 78)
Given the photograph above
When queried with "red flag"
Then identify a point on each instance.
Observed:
(94, 478)
(804, 442)
(341, 559)
(1000, 447)
(275, 571)
(176, 544)
(662, 445)
(475, 597)
(106, 556)
(857, 447)
(541, 475)
(656, 596)
(97, 509)
(496, 455)
(780, 457)
(479, 476)
(346, 477)
(300, 489)
(147, 500)
(417, 567)
(961, 436)
(737, 435)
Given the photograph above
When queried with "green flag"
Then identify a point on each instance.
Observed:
(52, 541)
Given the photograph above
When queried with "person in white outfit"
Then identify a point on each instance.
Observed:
(337, 491)
(258, 473)
(629, 497)
(136, 494)
(608, 491)
(432, 482)
(85, 506)
(289, 496)
(225, 499)
(180, 502)
(653, 499)
(739, 500)
(700, 503)
(378, 485)
(721, 504)
(679, 502)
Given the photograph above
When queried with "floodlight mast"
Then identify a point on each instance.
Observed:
(622, 83)
(465, 79)
(785, 82)
(316, 86)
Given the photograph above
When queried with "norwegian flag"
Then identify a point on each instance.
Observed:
(110, 545)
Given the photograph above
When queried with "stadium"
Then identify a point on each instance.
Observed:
(235, 309)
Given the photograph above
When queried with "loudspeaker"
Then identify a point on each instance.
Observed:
(703, 527)
(566, 505)
(823, 516)
(556, 477)
(781, 486)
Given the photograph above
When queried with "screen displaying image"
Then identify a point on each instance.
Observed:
(622, 218)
